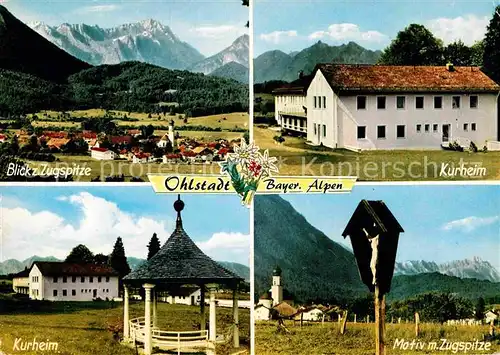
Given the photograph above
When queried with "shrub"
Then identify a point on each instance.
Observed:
(279, 139)
(473, 147)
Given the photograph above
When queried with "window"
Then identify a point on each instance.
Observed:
(315, 102)
(315, 129)
(73, 292)
(82, 280)
(400, 102)
(324, 130)
(473, 126)
(361, 102)
(99, 279)
(55, 279)
(54, 293)
(82, 290)
(73, 279)
(435, 127)
(419, 102)
(65, 293)
(381, 102)
(107, 277)
(324, 101)
(473, 101)
(400, 131)
(466, 126)
(419, 128)
(91, 279)
(427, 127)
(438, 102)
(361, 132)
(65, 279)
(455, 102)
(380, 132)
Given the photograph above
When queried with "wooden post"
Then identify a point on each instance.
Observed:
(379, 322)
(338, 315)
(492, 329)
(236, 333)
(213, 318)
(368, 319)
(417, 322)
(203, 322)
(354, 317)
(344, 323)
(126, 325)
(301, 318)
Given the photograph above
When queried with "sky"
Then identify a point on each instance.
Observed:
(50, 221)
(298, 24)
(209, 26)
(441, 222)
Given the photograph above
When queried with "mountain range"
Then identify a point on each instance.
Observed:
(315, 268)
(474, 268)
(277, 65)
(12, 266)
(146, 41)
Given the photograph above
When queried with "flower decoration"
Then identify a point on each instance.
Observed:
(247, 167)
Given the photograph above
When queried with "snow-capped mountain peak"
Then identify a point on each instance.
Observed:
(467, 268)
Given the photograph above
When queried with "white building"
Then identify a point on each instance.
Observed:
(60, 281)
(21, 282)
(168, 137)
(102, 154)
(189, 296)
(290, 108)
(268, 301)
(312, 314)
(363, 107)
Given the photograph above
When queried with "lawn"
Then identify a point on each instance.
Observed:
(229, 121)
(360, 337)
(297, 158)
(86, 328)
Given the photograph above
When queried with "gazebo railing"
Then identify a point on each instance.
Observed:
(168, 339)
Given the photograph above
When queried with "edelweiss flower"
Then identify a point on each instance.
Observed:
(267, 163)
(244, 153)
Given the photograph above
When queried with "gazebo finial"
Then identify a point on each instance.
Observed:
(178, 206)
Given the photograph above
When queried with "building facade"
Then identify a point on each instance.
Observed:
(59, 281)
(366, 107)
(21, 282)
(102, 154)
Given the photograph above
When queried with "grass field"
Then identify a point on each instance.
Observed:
(359, 339)
(85, 328)
(297, 158)
(229, 121)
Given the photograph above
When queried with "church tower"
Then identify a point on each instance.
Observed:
(277, 288)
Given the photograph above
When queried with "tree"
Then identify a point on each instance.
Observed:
(477, 53)
(415, 45)
(153, 246)
(101, 259)
(118, 260)
(458, 54)
(491, 57)
(480, 308)
(80, 255)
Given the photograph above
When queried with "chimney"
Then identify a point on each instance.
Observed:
(450, 67)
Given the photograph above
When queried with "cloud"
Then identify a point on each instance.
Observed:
(468, 28)
(97, 8)
(219, 32)
(468, 224)
(45, 233)
(225, 246)
(277, 36)
(342, 32)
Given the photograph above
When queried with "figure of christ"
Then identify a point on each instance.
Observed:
(374, 259)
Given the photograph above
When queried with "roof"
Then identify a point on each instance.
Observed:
(296, 87)
(180, 261)
(58, 142)
(396, 78)
(24, 273)
(100, 149)
(120, 139)
(199, 149)
(378, 213)
(56, 268)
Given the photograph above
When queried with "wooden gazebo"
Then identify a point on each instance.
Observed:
(179, 262)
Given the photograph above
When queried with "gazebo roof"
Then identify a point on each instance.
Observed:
(180, 261)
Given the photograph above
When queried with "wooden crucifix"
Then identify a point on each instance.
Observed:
(374, 234)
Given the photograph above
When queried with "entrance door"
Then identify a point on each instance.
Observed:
(446, 133)
(94, 293)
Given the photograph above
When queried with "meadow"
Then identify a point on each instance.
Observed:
(229, 121)
(298, 158)
(317, 338)
(87, 328)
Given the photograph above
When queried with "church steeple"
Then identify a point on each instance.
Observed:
(178, 206)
